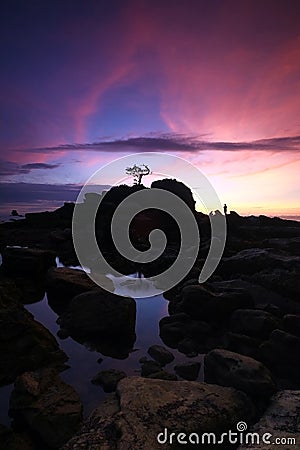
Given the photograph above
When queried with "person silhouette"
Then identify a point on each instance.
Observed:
(225, 209)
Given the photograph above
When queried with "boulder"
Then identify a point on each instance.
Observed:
(291, 324)
(281, 420)
(291, 245)
(163, 375)
(149, 367)
(272, 309)
(24, 343)
(160, 354)
(63, 284)
(60, 236)
(241, 372)
(188, 371)
(109, 379)
(253, 322)
(281, 352)
(102, 321)
(152, 369)
(262, 294)
(252, 260)
(50, 408)
(15, 440)
(203, 304)
(146, 411)
(172, 333)
(243, 344)
(189, 336)
(29, 262)
(99, 312)
(199, 330)
(188, 346)
(285, 281)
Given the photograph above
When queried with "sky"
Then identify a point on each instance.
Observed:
(83, 82)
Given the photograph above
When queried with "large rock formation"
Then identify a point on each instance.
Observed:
(145, 412)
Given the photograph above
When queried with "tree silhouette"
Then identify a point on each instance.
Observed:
(138, 172)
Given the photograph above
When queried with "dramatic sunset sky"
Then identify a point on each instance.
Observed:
(216, 82)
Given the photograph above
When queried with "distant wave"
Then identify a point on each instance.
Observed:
(290, 217)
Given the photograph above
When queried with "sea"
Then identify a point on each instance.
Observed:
(51, 205)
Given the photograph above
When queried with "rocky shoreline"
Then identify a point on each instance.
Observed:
(245, 320)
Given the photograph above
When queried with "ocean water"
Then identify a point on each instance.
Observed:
(51, 205)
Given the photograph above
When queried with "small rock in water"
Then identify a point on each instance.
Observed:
(188, 347)
(291, 323)
(188, 371)
(143, 359)
(149, 367)
(62, 333)
(160, 354)
(109, 379)
(163, 375)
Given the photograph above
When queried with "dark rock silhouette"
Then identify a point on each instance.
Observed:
(14, 213)
(101, 320)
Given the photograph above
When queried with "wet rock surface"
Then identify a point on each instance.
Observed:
(242, 372)
(49, 407)
(281, 420)
(160, 354)
(143, 408)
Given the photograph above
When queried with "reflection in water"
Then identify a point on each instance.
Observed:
(126, 285)
(5, 392)
(129, 286)
(83, 362)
